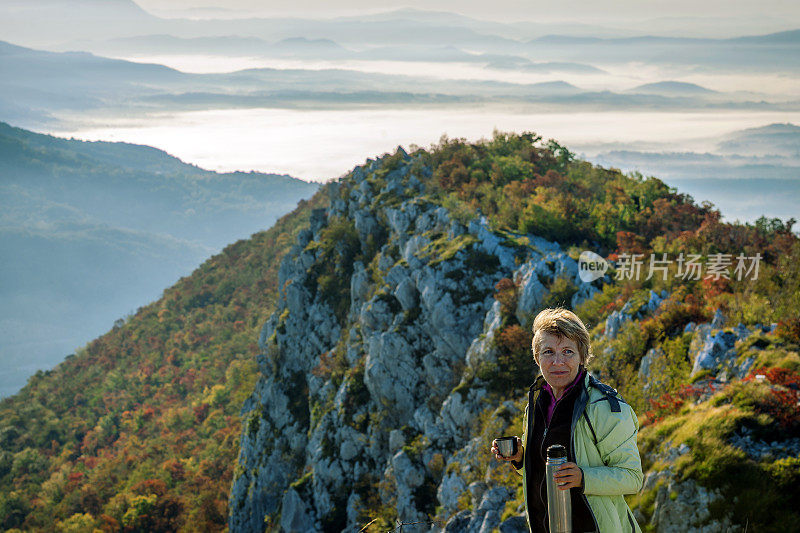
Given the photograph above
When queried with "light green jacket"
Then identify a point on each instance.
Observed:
(612, 467)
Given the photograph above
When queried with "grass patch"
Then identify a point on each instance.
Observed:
(444, 248)
(752, 489)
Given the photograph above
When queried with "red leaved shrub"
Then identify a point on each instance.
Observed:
(669, 403)
(784, 398)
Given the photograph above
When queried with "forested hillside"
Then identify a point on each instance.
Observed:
(90, 231)
(373, 367)
(138, 431)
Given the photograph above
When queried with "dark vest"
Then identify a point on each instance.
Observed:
(540, 437)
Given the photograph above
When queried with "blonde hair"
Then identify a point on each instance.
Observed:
(562, 323)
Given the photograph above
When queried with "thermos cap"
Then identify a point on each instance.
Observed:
(556, 451)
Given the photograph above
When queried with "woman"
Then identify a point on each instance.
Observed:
(598, 429)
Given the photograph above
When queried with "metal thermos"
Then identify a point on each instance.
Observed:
(559, 505)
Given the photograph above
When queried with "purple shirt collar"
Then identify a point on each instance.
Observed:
(553, 401)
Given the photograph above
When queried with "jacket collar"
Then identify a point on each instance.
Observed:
(538, 383)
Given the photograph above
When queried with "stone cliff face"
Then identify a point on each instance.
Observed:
(369, 388)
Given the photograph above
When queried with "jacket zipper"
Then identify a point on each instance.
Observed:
(532, 399)
(572, 450)
(542, 455)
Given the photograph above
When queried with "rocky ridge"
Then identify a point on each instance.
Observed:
(318, 449)
(372, 400)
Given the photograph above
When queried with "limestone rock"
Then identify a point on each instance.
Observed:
(482, 349)
(719, 319)
(406, 293)
(405, 471)
(684, 506)
(458, 412)
(390, 373)
(655, 300)
(714, 350)
(585, 292)
(761, 450)
(396, 440)
(490, 521)
(614, 323)
(477, 489)
(359, 285)
(449, 491)
(531, 292)
(487, 504)
(459, 522)
(295, 514)
(515, 524)
(494, 499)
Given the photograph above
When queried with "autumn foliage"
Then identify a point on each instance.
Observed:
(139, 430)
(671, 402)
(784, 395)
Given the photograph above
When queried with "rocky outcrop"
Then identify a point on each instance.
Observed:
(629, 312)
(684, 506)
(715, 351)
(680, 505)
(367, 388)
(488, 505)
(761, 450)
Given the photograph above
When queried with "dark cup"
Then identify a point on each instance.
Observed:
(507, 446)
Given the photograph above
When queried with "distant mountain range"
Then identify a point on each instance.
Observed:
(775, 148)
(92, 230)
(750, 173)
(671, 88)
(784, 37)
(81, 84)
(46, 85)
(123, 26)
(777, 139)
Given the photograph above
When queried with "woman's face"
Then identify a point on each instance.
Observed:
(559, 360)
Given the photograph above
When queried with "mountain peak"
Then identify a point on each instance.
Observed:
(671, 88)
(777, 127)
(781, 37)
(777, 138)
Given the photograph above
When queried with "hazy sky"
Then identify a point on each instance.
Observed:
(510, 10)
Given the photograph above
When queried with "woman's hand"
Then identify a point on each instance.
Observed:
(517, 457)
(569, 475)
